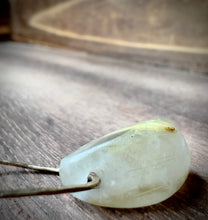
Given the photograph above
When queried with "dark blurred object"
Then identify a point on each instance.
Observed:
(4, 20)
(159, 32)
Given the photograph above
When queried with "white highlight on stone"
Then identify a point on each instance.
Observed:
(140, 165)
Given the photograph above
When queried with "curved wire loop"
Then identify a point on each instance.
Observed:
(92, 181)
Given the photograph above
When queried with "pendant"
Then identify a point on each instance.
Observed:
(137, 166)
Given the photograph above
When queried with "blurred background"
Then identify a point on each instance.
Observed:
(73, 71)
(169, 33)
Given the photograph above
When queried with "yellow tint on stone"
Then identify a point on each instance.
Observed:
(140, 165)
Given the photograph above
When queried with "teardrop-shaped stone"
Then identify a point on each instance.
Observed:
(138, 166)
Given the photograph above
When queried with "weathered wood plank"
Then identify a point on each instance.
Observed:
(145, 31)
(54, 101)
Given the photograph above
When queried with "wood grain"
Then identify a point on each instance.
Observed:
(146, 31)
(53, 101)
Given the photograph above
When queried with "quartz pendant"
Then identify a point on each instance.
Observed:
(140, 165)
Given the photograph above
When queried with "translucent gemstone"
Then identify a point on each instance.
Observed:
(140, 165)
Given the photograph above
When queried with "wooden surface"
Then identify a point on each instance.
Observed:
(53, 101)
(149, 31)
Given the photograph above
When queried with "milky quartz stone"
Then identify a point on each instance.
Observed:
(140, 165)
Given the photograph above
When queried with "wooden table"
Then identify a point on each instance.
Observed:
(53, 101)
